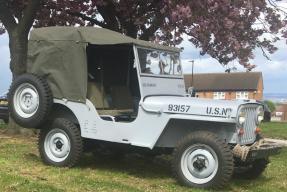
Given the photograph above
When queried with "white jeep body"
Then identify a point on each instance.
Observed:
(166, 114)
(154, 117)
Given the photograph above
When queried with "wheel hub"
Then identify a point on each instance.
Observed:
(199, 163)
(26, 100)
(57, 145)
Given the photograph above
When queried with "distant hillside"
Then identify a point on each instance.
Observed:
(276, 97)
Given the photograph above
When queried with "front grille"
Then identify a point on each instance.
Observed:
(249, 126)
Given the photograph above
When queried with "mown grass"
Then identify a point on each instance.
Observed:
(275, 130)
(22, 170)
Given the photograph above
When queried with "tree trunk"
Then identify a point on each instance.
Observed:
(18, 44)
(131, 30)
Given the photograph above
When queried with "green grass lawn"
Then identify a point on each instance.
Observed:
(275, 130)
(22, 170)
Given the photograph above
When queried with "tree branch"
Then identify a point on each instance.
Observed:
(108, 13)
(279, 8)
(86, 18)
(6, 16)
(29, 16)
(264, 52)
(148, 32)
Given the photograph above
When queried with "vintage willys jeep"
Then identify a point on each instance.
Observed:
(92, 83)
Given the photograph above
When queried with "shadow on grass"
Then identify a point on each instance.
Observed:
(131, 164)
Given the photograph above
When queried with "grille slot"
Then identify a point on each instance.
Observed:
(249, 126)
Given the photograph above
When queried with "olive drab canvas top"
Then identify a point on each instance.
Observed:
(59, 53)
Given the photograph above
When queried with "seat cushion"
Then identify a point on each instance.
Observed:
(121, 97)
(96, 95)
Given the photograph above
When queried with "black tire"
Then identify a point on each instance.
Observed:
(45, 100)
(219, 147)
(73, 134)
(252, 170)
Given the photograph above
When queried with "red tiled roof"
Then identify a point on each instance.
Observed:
(239, 81)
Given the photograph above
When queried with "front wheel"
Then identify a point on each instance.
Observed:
(202, 160)
(60, 144)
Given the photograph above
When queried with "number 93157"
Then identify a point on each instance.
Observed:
(178, 108)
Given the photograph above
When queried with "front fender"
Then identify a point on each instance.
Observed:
(177, 129)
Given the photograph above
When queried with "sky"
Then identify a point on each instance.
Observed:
(274, 71)
(5, 74)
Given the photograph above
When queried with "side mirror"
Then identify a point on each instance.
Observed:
(191, 91)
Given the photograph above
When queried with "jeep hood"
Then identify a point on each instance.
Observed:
(193, 106)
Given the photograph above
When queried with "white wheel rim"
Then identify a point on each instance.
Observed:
(26, 100)
(199, 164)
(57, 145)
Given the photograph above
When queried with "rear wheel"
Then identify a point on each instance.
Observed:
(60, 144)
(202, 160)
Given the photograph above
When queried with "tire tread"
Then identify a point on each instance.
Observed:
(45, 96)
(77, 143)
(227, 159)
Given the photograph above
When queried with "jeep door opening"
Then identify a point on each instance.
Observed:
(85, 83)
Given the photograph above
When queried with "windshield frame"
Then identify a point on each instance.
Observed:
(158, 75)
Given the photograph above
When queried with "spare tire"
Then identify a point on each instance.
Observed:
(30, 100)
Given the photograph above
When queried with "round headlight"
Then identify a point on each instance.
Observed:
(241, 118)
(260, 115)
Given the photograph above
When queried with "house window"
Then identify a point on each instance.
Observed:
(241, 95)
(219, 95)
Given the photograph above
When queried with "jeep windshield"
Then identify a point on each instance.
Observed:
(158, 62)
(160, 72)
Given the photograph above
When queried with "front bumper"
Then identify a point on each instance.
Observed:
(259, 150)
(263, 152)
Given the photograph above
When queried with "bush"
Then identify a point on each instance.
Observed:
(270, 105)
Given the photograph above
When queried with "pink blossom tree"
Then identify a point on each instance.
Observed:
(224, 29)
